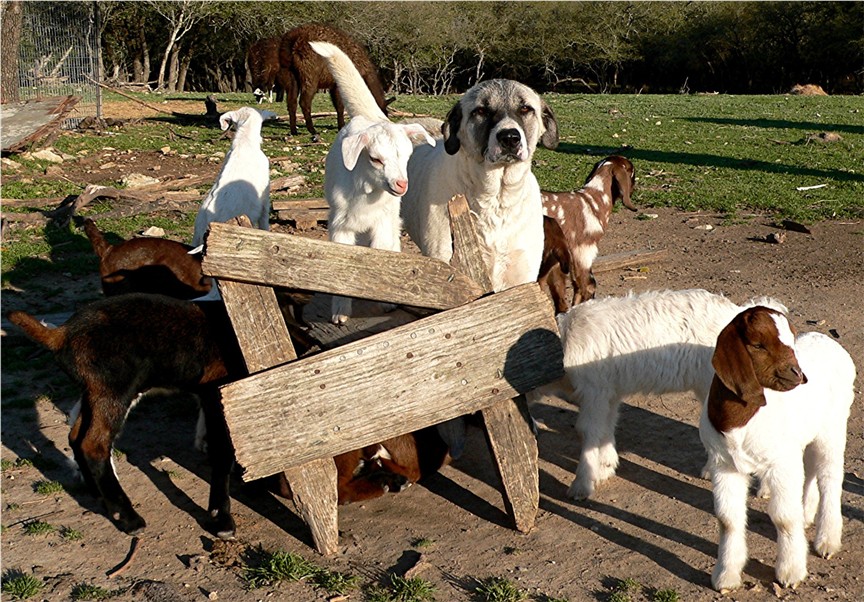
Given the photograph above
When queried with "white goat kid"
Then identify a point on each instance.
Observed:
(243, 184)
(650, 344)
(775, 397)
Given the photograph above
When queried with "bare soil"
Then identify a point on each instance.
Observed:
(651, 523)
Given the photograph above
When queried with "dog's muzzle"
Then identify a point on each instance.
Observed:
(508, 148)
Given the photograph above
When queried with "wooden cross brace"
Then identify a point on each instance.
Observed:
(481, 354)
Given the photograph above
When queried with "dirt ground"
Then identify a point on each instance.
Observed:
(651, 523)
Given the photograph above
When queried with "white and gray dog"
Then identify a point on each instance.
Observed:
(490, 136)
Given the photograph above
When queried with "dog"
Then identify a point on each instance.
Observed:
(489, 139)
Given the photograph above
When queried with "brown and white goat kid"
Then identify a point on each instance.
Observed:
(776, 396)
(583, 216)
(148, 265)
(556, 258)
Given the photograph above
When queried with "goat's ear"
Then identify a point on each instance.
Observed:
(352, 146)
(549, 139)
(418, 133)
(450, 129)
(733, 365)
(226, 119)
(624, 182)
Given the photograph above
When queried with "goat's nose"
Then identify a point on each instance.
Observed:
(509, 138)
(799, 374)
(400, 186)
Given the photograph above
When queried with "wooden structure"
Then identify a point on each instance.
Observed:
(482, 353)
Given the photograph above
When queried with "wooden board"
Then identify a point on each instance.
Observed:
(402, 380)
(274, 259)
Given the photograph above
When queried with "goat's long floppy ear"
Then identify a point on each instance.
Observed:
(416, 131)
(623, 179)
(549, 139)
(733, 365)
(450, 129)
(352, 146)
(226, 119)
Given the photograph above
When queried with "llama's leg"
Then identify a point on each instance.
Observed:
(307, 93)
(340, 309)
(730, 506)
(591, 424)
(91, 438)
(828, 466)
(336, 99)
(291, 93)
(221, 455)
(787, 514)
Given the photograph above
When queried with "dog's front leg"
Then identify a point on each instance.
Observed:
(221, 454)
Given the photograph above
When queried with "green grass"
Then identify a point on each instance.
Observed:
(19, 585)
(422, 542)
(498, 589)
(273, 567)
(17, 463)
(400, 589)
(47, 487)
(334, 582)
(70, 534)
(87, 591)
(38, 527)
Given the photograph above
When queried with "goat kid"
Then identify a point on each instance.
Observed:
(119, 348)
(366, 168)
(583, 216)
(775, 396)
(148, 265)
(650, 343)
(243, 184)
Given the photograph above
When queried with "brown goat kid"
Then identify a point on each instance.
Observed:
(304, 71)
(148, 265)
(583, 216)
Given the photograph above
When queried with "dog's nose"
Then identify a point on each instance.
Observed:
(509, 138)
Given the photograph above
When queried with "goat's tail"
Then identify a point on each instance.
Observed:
(355, 93)
(100, 245)
(52, 338)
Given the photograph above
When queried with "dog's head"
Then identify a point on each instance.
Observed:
(500, 121)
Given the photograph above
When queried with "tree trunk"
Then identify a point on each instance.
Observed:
(12, 17)
(173, 69)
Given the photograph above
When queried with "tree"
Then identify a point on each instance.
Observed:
(182, 15)
(12, 19)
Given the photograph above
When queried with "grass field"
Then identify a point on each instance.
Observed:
(736, 155)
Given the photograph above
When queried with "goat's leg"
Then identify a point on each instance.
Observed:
(340, 308)
(608, 453)
(221, 454)
(591, 424)
(730, 506)
(307, 93)
(91, 439)
(787, 514)
(384, 234)
(336, 99)
(828, 466)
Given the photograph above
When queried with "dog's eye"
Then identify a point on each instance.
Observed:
(479, 112)
(526, 109)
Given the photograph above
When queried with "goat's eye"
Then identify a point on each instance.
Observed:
(376, 161)
(758, 346)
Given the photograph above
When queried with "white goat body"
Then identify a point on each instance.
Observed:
(809, 419)
(243, 184)
(364, 192)
(650, 343)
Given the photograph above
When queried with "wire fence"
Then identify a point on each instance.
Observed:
(60, 55)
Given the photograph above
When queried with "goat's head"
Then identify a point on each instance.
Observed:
(388, 147)
(243, 116)
(756, 350)
(620, 175)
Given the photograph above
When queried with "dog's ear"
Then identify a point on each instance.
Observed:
(450, 129)
(417, 132)
(352, 146)
(549, 139)
(622, 179)
(733, 365)
(226, 119)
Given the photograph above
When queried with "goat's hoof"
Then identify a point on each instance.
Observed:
(339, 319)
(133, 525)
(224, 526)
(579, 491)
(726, 583)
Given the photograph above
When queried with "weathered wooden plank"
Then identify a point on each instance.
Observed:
(292, 204)
(275, 259)
(617, 261)
(265, 342)
(514, 447)
(402, 380)
(467, 253)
